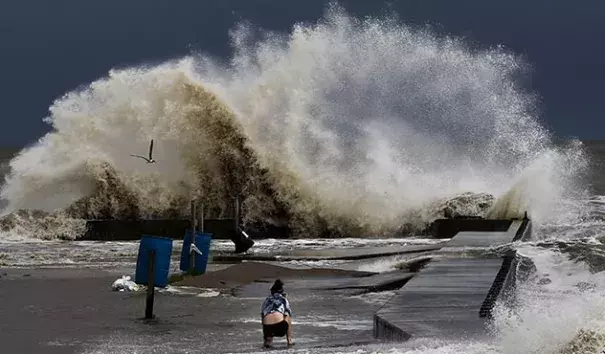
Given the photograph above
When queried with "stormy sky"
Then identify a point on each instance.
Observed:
(48, 48)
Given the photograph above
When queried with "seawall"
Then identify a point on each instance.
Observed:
(131, 230)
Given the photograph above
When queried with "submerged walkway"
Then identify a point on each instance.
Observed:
(330, 254)
(452, 297)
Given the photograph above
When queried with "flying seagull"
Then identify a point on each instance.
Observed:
(150, 158)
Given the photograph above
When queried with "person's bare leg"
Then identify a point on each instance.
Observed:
(270, 319)
(268, 342)
(288, 319)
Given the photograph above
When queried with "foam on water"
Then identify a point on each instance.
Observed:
(386, 264)
(282, 245)
(323, 322)
(20, 253)
(188, 291)
(61, 253)
(563, 298)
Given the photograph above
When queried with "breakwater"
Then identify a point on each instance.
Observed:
(131, 230)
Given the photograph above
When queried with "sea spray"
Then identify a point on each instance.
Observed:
(353, 126)
(560, 308)
(546, 188)
(397, 119)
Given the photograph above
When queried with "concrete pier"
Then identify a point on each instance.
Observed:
(454, 297)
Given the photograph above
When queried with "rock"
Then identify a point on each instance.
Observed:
(468, 205)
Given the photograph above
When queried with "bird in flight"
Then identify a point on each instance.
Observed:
(150, 158)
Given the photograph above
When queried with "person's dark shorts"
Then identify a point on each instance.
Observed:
(275, 330)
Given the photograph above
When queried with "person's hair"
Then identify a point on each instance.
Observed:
(278, 287)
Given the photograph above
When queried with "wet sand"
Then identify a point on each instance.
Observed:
(75, 311)
(54, 311)
(248, 272)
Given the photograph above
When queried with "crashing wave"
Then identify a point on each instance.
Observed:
(354, 127)
(33, 224)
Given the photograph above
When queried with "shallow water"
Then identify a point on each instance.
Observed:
(108, 254)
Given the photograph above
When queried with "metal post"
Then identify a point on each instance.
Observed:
(201, 219)
(150, 286)
(191, 252)
(193, 215)
(236, 216)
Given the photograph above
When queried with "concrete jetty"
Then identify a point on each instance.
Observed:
(454, 297)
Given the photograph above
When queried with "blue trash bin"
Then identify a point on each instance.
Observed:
(202, 242)
(163, 253)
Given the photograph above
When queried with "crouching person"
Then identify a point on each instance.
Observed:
(276, 315)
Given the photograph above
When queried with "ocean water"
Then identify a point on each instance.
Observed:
(355, 125)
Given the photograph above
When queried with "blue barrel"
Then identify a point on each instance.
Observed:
(163, 252)
(202, 242)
